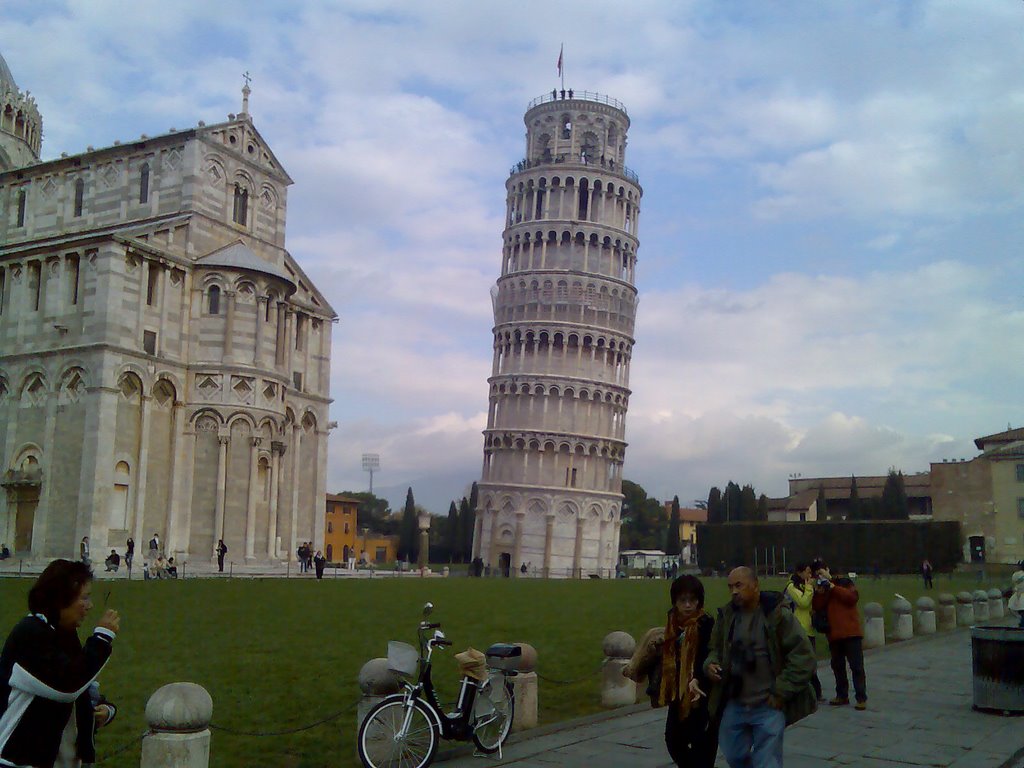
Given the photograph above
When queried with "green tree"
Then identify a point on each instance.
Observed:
(672, 532)
(894, 498)
(733, 503)
(373, 512)
(407, 531)
(714, 506)
(762, 508)
(643, 519)
(467, 522)
(452, 533)
(822, 504)
(855, 510)
(748, 504)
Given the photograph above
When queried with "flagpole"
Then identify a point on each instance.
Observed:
(561, 69)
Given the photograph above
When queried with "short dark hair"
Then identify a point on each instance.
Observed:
(796, 578)
(57, 587)
(687, 585)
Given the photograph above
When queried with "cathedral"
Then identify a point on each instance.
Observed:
(164, 361)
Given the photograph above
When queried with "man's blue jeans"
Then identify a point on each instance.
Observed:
(751, 737)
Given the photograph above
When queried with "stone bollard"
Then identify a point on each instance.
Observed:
(375, 681)
(980, 605)
(926, 624)
(964, 609)
(179, 716)
(874, 626)
(617, 690)
(946, 617)
(996, 609)
(524, 686)
(902, 620)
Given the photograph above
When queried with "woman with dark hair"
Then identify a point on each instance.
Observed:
(800, 592)
(673, 661)
(49, 698)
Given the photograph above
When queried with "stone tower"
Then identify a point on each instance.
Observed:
(564, 311)
(21, 125)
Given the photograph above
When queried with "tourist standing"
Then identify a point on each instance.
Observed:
(800, 591)
(129, 554)
(319, 562)
(926, 574)
(221, 550)
(154, 548)
(761, 663)
(50, 705)
(673, 662)
(838, 597)
(83, 550)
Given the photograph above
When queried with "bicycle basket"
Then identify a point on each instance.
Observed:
(402, 658)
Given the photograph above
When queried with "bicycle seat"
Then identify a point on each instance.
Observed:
(504, 656)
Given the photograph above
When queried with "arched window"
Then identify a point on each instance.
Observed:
(22, 203)
(119, 501)
(213, 307)
(144, 183)
(79, 196)
(241, 208)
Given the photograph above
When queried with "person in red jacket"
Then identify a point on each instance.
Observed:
(838, 597)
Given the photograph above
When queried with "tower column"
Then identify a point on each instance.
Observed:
(222, 482)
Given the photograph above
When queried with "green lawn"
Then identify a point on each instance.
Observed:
(276, 654)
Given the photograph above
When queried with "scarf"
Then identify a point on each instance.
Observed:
(677, 658)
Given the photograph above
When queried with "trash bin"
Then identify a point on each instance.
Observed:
(998, 662)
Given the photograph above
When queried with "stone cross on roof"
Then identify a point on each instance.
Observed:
(246, 90)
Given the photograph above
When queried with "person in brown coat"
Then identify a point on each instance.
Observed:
(838, 598)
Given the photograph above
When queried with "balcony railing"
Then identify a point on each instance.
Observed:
(600, 98)
(581, 162)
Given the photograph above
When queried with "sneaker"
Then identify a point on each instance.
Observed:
(861, 705)
(839, 701)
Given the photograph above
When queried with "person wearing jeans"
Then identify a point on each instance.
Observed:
(838, 597)
(760, 662)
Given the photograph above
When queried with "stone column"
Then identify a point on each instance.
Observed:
(964, 609)
(424, 553)
(492, 553)
(294, 506)
(143, 467)
(229, 326)
(874, 626)
(375, 681)
(517, 551)
(185, 479)
(41, 543)
(250, 510)
(276, 452)
(222, 483)
(280, 335)
(524, 690)
(179, 716)
(478, 534)
(980, 605)
(577, 552)
(261, 310)
(903, 622)
(174, 532)
(946, 616)
(926, 624)
(617, 690)
(602, 545)
(996, 609)
(549, 535)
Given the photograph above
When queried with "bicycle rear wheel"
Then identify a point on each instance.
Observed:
(492, 714)
(381, 743)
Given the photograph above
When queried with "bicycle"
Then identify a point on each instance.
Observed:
(404, 730)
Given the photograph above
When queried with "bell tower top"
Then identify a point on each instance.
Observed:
(21, 125)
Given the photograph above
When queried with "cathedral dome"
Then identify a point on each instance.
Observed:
(21, 125)
(6, 78)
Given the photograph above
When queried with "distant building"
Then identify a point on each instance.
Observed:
(802, 503)
(344, 541)
(688, 519)
(986, 496)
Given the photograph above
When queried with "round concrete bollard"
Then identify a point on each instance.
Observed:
(524, 688)
(996, 608)
(946, 614)
(179, 716)
(902, 619)
(926, 624)
(375, 681)
(980, 605)
(617, 690)
(964, 609)
(874, 626)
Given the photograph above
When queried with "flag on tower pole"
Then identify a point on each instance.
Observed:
(561, 71)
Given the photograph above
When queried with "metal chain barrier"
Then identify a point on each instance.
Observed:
(299, 729)
(124, 747)
(553, 681)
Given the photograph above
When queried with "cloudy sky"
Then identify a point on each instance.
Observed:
(830, 269)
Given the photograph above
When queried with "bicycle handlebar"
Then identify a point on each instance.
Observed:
(430, 625)
(442, 642)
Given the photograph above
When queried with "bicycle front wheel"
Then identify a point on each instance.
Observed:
(492, 714)
(383, 744)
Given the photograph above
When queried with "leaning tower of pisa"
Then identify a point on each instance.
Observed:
(564, 310)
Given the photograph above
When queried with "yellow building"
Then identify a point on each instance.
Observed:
(688, 519)
(344, 541)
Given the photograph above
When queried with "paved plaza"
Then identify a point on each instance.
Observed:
(919, 714)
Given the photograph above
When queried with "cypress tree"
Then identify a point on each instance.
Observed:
(467, 522)
(762, 508)
(748, 503)
(672, 534)
(822, 504)
(407, 532)
(855, 510)
(715, 513)
(452, 534)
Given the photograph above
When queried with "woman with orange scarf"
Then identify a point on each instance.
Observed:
(672, 659)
